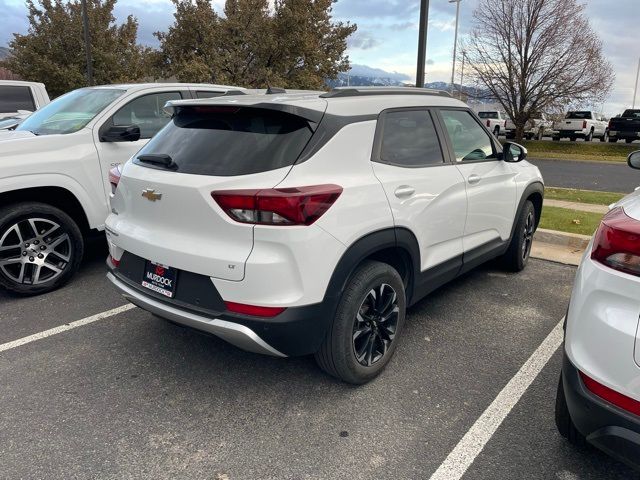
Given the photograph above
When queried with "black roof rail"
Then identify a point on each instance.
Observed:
(275, 90)
(339, 92)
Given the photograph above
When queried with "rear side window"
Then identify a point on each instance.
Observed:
(147, 112)
(208, 94)
(409, 139)
(14, 98)
(228, 141)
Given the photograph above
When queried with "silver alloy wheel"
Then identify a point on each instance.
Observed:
(34, 251)
(527, 234)
(375, 324)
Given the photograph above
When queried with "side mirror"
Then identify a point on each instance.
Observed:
(634, 159)
(513, 152)
(121, 133)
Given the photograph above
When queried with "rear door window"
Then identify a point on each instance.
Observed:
(14, 98)
(228, 141)
(409, 139)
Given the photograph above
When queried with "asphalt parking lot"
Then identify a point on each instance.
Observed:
(131, 396)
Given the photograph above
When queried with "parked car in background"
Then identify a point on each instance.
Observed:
(17, 95)
(200, 239)
(584, 124)
(495, 121)
(10, 123)
(537, 128)
(598, 398)
(625, 127)
(54, 180)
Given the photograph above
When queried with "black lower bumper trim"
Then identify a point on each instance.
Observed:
(605, 426)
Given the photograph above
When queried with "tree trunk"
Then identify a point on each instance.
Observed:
(519, 131)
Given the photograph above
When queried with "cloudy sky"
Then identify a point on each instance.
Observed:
(388, 29)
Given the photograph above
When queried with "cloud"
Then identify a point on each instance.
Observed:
(363, 40)
(377, 9)
(13, 19)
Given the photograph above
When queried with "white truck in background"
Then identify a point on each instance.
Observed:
(58, 167)
(494, 120)
(536, 128)
(581, 124)
(18, 99)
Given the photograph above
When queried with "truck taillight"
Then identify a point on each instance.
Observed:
(584, 124)
(278, 206)
(114, 177)
(609, 125)
(489, 123)
(617, 242)
(505, 124)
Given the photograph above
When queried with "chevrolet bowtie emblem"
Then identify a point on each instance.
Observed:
(151, 195)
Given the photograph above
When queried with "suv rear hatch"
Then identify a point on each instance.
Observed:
(165, 211)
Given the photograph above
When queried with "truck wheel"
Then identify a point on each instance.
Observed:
(540, 134)
(613, 140)
(573, 139)
(496, 131)
(555, 139)
(589, 136)
(628, 140)
(517, 255)
(604, 137)
(369, 319)
(40, 248)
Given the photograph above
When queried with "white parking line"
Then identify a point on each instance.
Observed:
(470, 446)
(65, 327)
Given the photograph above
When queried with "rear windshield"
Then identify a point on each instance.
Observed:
(228, 141)
(14, 98)
(579, 115)
(631, 114)
(488, 114)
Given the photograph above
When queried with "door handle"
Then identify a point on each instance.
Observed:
(473, 179)
(404, 191)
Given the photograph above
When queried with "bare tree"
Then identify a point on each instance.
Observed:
(536, 55)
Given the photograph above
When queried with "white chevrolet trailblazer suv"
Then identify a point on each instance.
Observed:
(598, 398)
(54, 174)
(308, 223)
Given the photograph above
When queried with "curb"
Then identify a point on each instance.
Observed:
(572, 241)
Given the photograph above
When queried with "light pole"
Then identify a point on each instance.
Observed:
(87, 42)
(422, 42)
(635, 90)
(455, 41)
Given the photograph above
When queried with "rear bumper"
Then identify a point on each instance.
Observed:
(570, 133)
(605, 426)
(624, 134)
(296, 331)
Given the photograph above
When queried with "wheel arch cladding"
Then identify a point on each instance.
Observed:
(397, 247)
(534, 193)
(58, 197)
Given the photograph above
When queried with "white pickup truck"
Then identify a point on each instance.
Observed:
(18, 98)
(581, 124)
(54, 180)
(535, 128)
(495, 121)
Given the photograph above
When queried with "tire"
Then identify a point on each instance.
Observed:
(564, 423)
(540, 134)
(613, 140)
(589, 136)
(338, 354)
(604, 137)
(517, 255)
(628, 140)
(555, 139)
(41, 260)
(573, 139)
(496, 131)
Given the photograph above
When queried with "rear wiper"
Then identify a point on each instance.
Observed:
(161, 159)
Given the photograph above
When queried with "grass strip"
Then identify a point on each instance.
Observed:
(572, 221)
(582, 196)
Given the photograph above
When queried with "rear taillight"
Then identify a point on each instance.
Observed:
(584, 124)
(488, 123)
(505, 124)
(611, 396)
(278, 206)
(254, 310)
(114, 177)
(609, 125)
(115, 263)
(617, 242)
